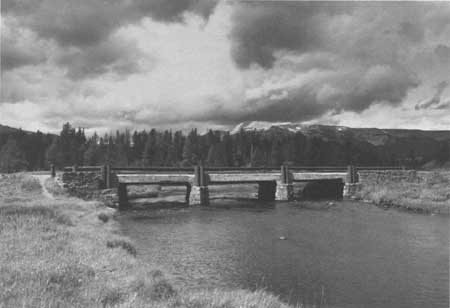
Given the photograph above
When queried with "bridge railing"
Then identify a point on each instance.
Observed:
(199, 172)
(375, 168)
(237, 169)
(151, 169)
(319, 168)
(82, 168)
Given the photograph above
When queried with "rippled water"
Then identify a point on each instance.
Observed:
(346, 254)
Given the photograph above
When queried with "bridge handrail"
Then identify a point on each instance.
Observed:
(83, 168)
(132, 169)
(236, 169)
(241, 169)
(369, 168)
(311, 168)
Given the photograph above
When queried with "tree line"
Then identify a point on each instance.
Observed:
(36, 151)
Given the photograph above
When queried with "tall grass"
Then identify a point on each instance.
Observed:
(429, 193)
(65, 253)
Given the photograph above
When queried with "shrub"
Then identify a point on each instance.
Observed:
(30, 184)
(162, 290)
(157, 289)
(68, 280)
(125, 245)
(103, 217)
(113, 297)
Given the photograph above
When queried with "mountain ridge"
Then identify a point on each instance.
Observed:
(373, 135)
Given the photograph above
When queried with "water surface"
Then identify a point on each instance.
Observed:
(344, 254)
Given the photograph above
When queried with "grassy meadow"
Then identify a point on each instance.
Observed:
(64, 252)
(430, 193)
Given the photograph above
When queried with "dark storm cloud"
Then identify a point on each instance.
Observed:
(260, 29)
(172, 11)
(19, 48)
(13, 57)
(84, 30)
(435, 102)
(443, 53)
(412, 31)
(361, 48)
(116, 56)
(380, 84)
(88, 22)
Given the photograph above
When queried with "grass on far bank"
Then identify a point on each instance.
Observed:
(430, 193)
(69, 253)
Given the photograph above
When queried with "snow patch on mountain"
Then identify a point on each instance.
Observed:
(256, 125)
(288, 126)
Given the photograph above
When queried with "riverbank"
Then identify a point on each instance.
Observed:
(428, 193)
(65, 252)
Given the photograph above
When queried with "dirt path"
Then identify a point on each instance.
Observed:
(42, 178)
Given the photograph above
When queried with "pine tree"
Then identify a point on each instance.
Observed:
(171, 157)
(91, 154)
(275, 154)
(12, 158)
(190, 149)
(147, 154)
(53, 153)
(443, 152)
(227, 146)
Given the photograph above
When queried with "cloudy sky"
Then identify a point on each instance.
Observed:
(114, 64)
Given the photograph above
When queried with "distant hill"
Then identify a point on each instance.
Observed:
(7, 130)
(376, 136)
(421, 144)
(29, 149)
(250, 143)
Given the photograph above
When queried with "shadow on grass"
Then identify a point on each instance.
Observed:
(38, 210)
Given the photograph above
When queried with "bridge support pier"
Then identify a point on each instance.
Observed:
(199, 195)
(266, 191)
(284, 192)
(352, 184)
(350, 190)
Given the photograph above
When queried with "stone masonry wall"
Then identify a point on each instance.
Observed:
(82, 184)
(382, 176)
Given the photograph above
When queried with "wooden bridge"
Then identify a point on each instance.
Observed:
(273, 183)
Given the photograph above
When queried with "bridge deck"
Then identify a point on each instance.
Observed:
(311, 176)
(225, 177)
(155, 178)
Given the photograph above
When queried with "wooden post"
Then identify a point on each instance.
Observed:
(284, 189)
(123, 198)
(283, 175)
(351, 183)
(199, 194)
(188, 192)
(108, 176)
(197, 176)
(203, 178)
(349, 178)
(285, 179)
(52, 170)
(103, 173)
(355, 175)
(286, 174)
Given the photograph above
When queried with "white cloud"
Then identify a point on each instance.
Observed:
(149, 73)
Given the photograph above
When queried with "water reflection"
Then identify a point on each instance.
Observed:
(346, 254)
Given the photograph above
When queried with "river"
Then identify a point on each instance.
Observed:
(339, 254)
